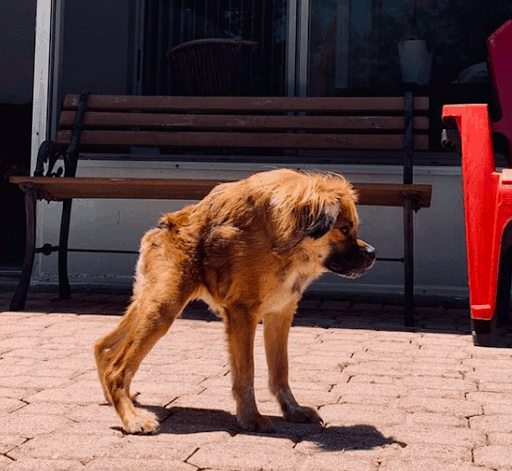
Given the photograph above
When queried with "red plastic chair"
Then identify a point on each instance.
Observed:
(488, 211)
(488, 194)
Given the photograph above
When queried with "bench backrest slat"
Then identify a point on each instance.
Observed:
(239, 104)
(109, 120)
(243, 139)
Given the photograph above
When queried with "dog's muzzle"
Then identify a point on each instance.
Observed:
(353, 263)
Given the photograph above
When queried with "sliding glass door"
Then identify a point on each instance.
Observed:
(301, 47)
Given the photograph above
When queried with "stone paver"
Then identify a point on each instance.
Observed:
(392, 398)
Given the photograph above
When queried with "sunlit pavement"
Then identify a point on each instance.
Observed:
(392, 398)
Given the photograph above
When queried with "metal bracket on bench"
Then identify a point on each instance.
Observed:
(49, 151)
(48, 249)
(409, 259)
(414, 198)
(409, 137)
(391, 259)
(71, 157)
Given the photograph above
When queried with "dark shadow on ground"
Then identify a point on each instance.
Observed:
(313, 312)
(189, 420)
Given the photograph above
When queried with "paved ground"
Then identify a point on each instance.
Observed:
(392, 398)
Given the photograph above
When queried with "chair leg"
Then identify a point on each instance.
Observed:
(64, 288)
(504, 283)
(20, 296)
(408, 262)
(484, 332)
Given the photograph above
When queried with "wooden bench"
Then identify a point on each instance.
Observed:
(284, 131)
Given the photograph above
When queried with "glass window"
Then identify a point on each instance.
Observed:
(376, 43)
(176, 22)
(436, 48)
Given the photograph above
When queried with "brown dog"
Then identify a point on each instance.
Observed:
(249, 250)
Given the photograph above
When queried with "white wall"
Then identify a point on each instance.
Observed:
(440, 258)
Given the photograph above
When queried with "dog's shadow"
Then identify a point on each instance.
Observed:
(188, 420)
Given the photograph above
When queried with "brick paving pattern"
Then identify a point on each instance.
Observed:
(392, 398)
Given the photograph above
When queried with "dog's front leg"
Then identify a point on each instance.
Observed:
(276, 330)
(241, 328)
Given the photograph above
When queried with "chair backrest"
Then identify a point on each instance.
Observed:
(211, 67)
(499, 46)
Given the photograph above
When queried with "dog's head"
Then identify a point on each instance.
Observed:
(348, 256)
(326, 223)
(334, 234)
(310, 214)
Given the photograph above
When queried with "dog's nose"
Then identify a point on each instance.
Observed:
(370, 251)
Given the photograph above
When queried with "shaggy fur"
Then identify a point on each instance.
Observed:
(249, 250)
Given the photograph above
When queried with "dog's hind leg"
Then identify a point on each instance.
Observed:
(108, 346)
(149, 323)
(240, 329)
(276, 329)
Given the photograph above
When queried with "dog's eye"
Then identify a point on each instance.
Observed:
(345, 230)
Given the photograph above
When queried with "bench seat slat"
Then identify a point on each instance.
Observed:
(382, 194)
(238, 104)
(106, 120)
(243, 140)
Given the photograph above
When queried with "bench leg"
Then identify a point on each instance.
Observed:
(408, 262)
(64, 288)
(20, 296)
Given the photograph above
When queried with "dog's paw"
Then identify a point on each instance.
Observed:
(303, 415)
(257, 423)
(140, 425)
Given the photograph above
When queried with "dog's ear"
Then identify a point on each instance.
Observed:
(316, 222)
(322, 224)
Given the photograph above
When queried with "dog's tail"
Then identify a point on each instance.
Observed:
(139, 268)
(137, 280)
